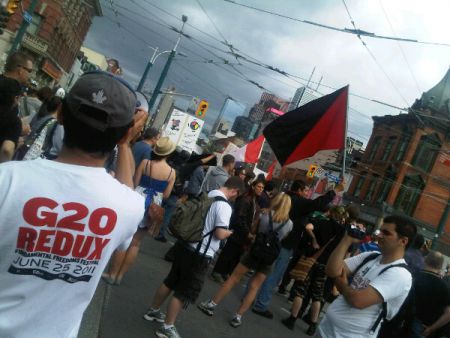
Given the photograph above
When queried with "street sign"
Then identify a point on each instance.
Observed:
(331, 177)
(27, 17)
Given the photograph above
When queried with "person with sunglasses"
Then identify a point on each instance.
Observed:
(17, 73)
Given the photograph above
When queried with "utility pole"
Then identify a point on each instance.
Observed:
(166, 68)
(23, 28)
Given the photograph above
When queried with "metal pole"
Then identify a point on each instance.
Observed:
(441, 225)
(165, 71)
(147, 69)
(23, 28)
(344, 157)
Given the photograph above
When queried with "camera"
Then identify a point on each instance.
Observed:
(355, 231)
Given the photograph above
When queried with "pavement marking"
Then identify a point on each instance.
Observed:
(285, 310)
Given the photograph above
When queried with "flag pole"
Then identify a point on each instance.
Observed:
(344, 157)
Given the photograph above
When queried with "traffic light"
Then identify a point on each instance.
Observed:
(202, 108)
(12, 6)
(4, 17)
(311, 171)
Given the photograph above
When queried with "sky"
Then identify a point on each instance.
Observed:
(384, 70)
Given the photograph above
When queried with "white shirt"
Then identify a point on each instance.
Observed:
(218, 217)
(59, 225)
(345, 321)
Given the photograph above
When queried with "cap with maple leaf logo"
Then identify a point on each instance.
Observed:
(105, 92)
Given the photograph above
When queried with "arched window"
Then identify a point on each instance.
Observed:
(409, 194)
(426, 151)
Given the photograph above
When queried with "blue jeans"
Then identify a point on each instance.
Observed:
(169, 206)
(264, 297)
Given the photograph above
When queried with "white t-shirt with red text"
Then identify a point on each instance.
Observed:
(344, 321)
(59, 225)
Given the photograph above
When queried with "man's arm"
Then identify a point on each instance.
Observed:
(125, 161)
(6, 151)
(359, 299)
(444, 319)
(222, 234)
(310, 231)
(336, 265)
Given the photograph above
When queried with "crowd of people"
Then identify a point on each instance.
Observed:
(82, 185)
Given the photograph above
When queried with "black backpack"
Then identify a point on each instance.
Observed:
(266, 247)
(400, 325)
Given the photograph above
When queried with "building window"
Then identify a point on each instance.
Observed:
(359, 185)
(388, 149)
(33, 27)
(384, 191)
(376, 145)
(426, 152)
(404, 142)
(371, 190)
(409, 194)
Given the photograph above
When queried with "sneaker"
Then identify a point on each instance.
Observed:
(265, 313)
(217, 277)
(312, 329)
(236, 321)
(289, 323)
(155, 316)
(206, 308)
(170, 332)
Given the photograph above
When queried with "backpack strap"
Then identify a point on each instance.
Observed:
(210, 233)
(366, 260)
(48, 142)
(383, 313)
(281, 226)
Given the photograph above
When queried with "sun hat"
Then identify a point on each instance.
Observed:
(164, 146)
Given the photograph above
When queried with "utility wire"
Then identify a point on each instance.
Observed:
(374, 58)
(400, 46)
(343, 30)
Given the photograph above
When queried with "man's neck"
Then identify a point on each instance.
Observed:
(11, 75)
(392, 257)
(430, 269)
(78, 157)
(149, 142)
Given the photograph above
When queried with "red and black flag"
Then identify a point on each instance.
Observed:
(319, 125)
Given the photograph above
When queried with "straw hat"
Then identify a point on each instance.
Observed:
(164, 146)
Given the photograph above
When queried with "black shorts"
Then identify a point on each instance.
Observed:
(314, 283)
(187, 275)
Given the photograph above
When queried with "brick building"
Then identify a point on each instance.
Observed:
(405, 168)
(55, 36)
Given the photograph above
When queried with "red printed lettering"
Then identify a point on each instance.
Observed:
(44, 239)
(82, 246)
(70, 222)
(33, 214)
(26, 239)
(63, 243)
(100, 244)
(96, 219)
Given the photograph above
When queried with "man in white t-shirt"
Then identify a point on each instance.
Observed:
(61, 220)
(354, 313)
(188, 271)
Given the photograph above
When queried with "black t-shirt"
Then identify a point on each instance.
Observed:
(326, 230)
(432, 296)
(10, 127)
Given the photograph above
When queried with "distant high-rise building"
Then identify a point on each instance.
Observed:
(267, 101)
(295, 103)
(231, 109)
(244, 128)
(164, 109)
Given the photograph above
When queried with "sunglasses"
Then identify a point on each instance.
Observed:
(29, 70)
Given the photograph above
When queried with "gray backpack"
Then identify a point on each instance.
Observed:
(188, 221)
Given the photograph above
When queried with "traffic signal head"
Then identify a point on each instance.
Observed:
(12, 6)
(311, 171)
(202, 108)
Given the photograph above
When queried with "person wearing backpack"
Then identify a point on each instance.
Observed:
(379, 285)
(273, 227)
(191, 259)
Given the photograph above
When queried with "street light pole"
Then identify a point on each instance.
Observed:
(166, 68)
(23, 28)
(147, 69)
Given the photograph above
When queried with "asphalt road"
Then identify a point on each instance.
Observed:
(116, 311)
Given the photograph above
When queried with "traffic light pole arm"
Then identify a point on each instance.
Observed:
(23, 28)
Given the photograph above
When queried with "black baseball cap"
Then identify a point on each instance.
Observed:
(105, 92)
